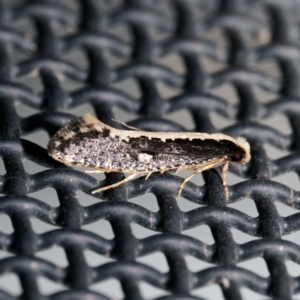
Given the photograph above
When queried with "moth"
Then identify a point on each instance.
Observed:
(87, 142)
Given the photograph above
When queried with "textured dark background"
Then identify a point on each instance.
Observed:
(208, 66)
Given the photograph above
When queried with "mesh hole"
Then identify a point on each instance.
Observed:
(121, 31)
(41, 227)
(269, 67)
(115, 61)
(289, 179)
(151, 292)
(274, 152)
(141, 232)
(196, 265)
(173, 62)
(182, 117)
(2, 167)
(69, 84)
(186, 205)
(263, 96)
(86, 200)
(10, 283)
(247, 206)
(166, 92)
(251, 295)
(110, 287)
(41, 138)
(32, 167)
(6, 224)
(122, 115)
(212, 66)
(279, 122)
(94, 259)
(25, 111)
(56, 255)
(201, 233)
(257, 266)
(48, 287)
(242, 237)
(293, 237)
(31, 81)
(293, 268)
(147, 201)
(4, 254)
(61, 30)
(220, 122)
(47, 196)
(82, 109)
(101, 227)
(211, 292)
(226, 92)
(129, 86)
(76, 57)
(285, 210)
(155, 260)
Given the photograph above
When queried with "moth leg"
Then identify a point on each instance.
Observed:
(148, 175)
(93, 171)
(185, 181)
(224, 172)
(130, 177)
(205, 167)
(179, 169)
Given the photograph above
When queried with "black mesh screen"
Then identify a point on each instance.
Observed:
(62, 58)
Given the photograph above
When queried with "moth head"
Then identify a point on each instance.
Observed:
(243, 155)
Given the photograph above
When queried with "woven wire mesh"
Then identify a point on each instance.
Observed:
(250, 46)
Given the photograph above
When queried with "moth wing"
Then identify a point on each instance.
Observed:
(87, 125)
(197, 148)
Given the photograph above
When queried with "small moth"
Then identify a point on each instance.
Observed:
(87, 142)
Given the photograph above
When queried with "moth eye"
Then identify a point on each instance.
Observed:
(236, 157)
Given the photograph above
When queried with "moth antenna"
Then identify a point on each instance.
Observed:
(124, 124)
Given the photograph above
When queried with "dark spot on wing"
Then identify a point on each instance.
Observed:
(105, 132)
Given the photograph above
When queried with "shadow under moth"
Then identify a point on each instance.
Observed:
(87, 142)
